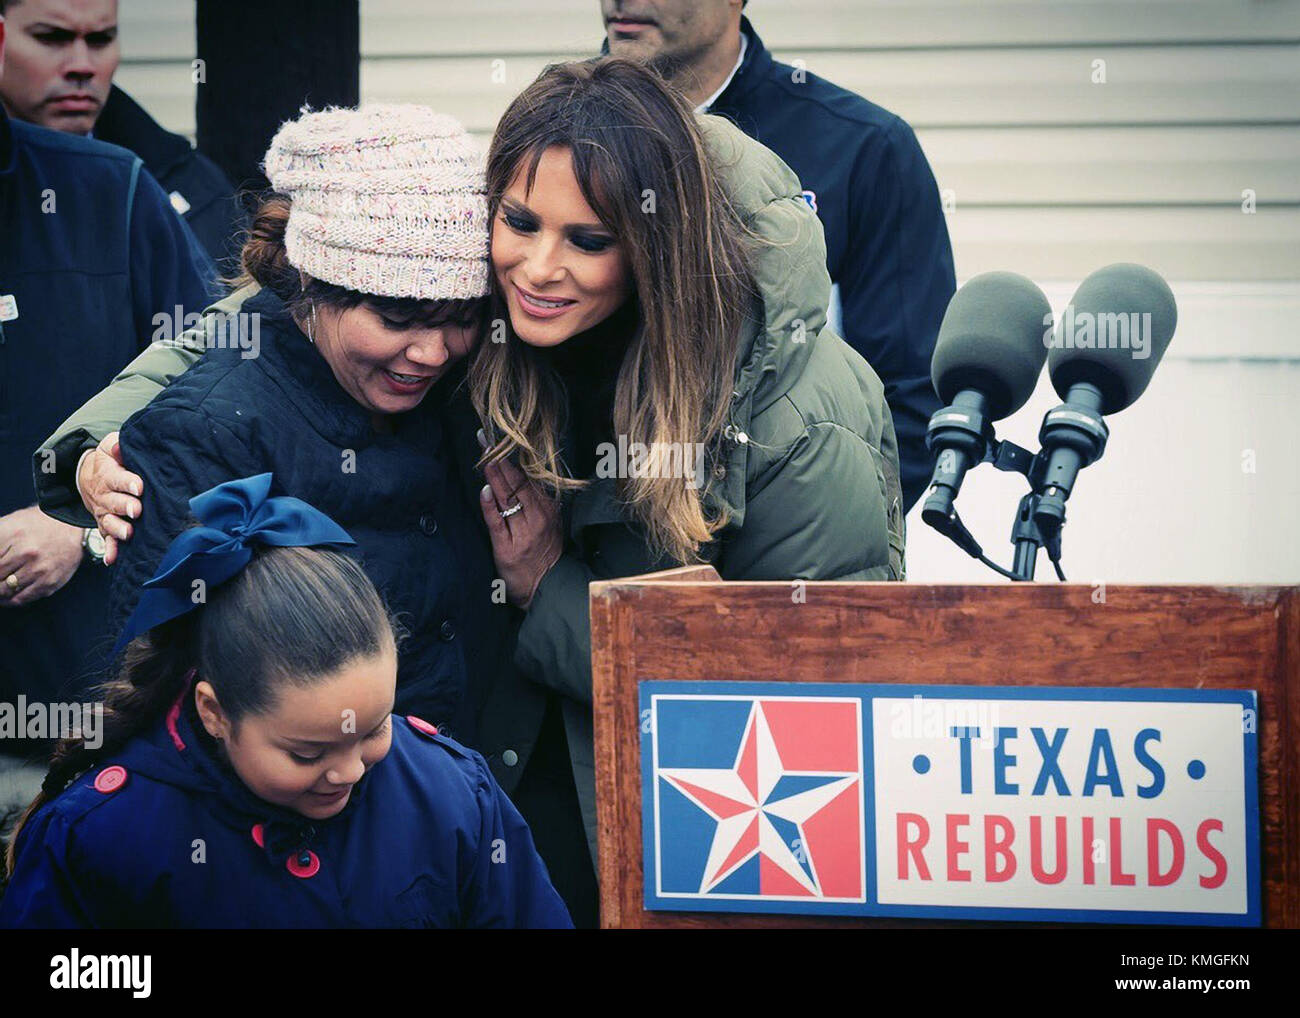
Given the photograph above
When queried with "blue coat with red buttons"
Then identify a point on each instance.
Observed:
(163, 834)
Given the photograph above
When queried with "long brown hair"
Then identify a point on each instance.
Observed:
(633, 140)
(291, 615)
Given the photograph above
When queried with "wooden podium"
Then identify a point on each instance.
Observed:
(687, 626)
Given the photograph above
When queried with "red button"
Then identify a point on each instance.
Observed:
(419, 724)
(258, 836)
(110, 779)
(299, 870)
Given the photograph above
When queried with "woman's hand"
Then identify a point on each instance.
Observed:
(528, 541)
(111, 493)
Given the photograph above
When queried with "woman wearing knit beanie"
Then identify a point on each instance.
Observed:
(660, 386)
(372, 262)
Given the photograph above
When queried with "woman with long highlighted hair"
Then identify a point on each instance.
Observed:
(656, 384)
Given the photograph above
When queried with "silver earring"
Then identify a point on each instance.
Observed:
(311, 327)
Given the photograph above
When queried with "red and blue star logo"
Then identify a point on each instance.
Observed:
(754, 800)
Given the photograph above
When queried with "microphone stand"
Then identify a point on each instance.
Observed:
(1026, 535)
(1027, 539)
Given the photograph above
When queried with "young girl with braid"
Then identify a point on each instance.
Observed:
(251, 773)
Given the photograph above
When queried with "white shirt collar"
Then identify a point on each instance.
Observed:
(704, 106)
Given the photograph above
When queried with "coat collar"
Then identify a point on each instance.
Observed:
(282, 831)
(753, 68)
(124, 122)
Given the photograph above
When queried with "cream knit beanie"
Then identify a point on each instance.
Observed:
(387, 200)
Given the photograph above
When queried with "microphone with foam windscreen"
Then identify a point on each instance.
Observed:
(986, 363)
(1103, 353)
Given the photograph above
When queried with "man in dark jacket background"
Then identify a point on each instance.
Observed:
(862, 171)
(198, 190)
(90, 254)
(59, 75)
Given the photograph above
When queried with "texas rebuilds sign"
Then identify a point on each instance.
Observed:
(949, 801)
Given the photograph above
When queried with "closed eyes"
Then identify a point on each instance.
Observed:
(376, 734)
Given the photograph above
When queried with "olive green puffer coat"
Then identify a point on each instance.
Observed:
(809, 483)
(809, 480)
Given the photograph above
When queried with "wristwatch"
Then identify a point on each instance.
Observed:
(92, 544)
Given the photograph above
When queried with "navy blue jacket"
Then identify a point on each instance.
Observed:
(408, 498)
(203, 195)
(90, 252)
(887, 246)
(164, 834)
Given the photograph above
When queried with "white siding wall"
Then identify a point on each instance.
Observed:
(1048, 173)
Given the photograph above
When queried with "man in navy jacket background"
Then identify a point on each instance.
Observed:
(90, 253)
(59, 74)
(863, 173)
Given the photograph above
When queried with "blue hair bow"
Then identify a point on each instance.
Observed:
(232, 516)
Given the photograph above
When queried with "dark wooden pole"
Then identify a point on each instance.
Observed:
(261, 62)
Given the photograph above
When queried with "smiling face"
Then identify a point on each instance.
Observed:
(311, 748)
(559, 267)
(385, 362)
(60, 58)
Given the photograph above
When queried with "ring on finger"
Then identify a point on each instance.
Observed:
(507, 513)
(11, 582)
